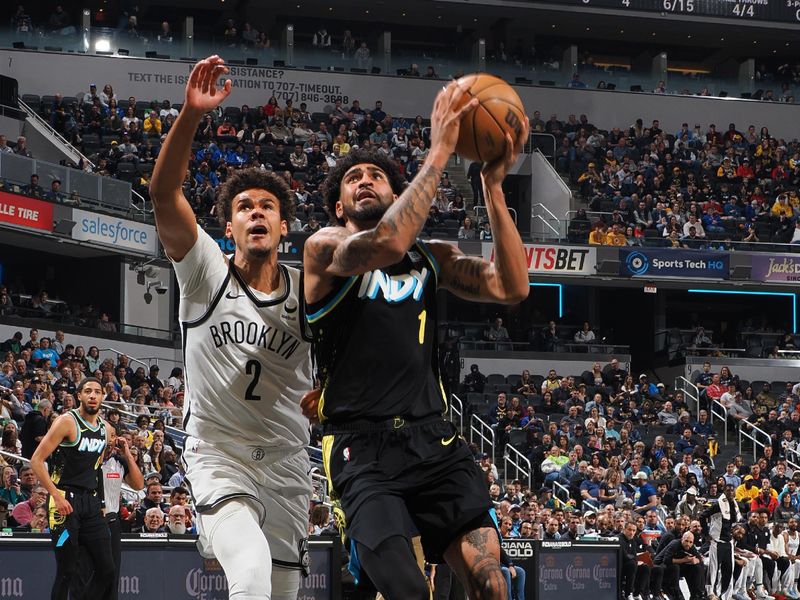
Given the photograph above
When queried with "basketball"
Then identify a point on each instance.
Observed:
(500, 110)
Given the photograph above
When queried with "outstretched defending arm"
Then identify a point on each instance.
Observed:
(175, 220)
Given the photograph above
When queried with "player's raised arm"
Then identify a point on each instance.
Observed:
(504, 281)
(343, 251)
(177, 227)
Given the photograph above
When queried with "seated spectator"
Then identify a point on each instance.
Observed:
(585, 335)
(55, 194)
(467, 230)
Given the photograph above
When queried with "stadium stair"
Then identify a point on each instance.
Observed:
(44, 141)
(457, 171)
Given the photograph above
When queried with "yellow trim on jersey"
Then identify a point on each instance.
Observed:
(321, 406)
(54, 518)
(327, 448)
(313, 318)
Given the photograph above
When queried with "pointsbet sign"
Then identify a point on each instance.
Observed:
(554, 259)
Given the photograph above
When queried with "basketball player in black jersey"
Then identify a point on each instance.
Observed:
(370, 286)
(78, 439)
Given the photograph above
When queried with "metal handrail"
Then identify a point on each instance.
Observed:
(559, 487)
(482, 430)
(593, 505)
(516, 461)
(754, 438)
(120, 353)
(721, 413)
(543, 220)
(479, 209)
(17, 457)
(456, 412)
(547, 210)
(689, 390)
(154, 360)
(36, 117)
(571, 213)
(795, 465)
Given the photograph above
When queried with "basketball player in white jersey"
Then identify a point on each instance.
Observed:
(247, 363)
(792, 541)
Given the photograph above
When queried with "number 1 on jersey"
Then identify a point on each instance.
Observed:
(253, 367)
(422, 317)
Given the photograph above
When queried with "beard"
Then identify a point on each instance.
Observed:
(91, 411)
(371, 212)
(178, 529)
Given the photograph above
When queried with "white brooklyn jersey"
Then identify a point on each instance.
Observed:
(247, 360)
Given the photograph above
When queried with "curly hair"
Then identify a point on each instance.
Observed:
(331, 186)
(254, 178)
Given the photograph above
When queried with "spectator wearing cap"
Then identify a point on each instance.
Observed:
(645, 498)
(88, 97)
(590, 522)
(153, 381)
(688, 505)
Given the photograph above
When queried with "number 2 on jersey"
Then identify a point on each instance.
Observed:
(422, 317)
(253, 368)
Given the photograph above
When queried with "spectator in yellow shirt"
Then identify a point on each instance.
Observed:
(597, 237)
(616, 237)
(782, 208)
(747, 491)
(152, 124)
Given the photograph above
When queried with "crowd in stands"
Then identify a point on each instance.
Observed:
(618, 457)
(123, 138)
(38, 379)
(698, 187)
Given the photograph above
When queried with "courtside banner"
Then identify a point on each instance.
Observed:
(28, 212)
(565, 570)
(673, 262)
(552, 259)
(113, 231)
(154, 567)
(775, 268)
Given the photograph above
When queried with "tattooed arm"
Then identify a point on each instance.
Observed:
(505, 280)
(342, 251)
(339, 252)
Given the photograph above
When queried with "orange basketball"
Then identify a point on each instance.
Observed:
(483, 129)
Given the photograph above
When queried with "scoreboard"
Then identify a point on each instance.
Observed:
(781, 11)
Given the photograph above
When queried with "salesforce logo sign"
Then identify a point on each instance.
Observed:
(113, 231)
(637, 263)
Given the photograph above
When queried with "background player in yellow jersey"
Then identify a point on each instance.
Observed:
(370, 287)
